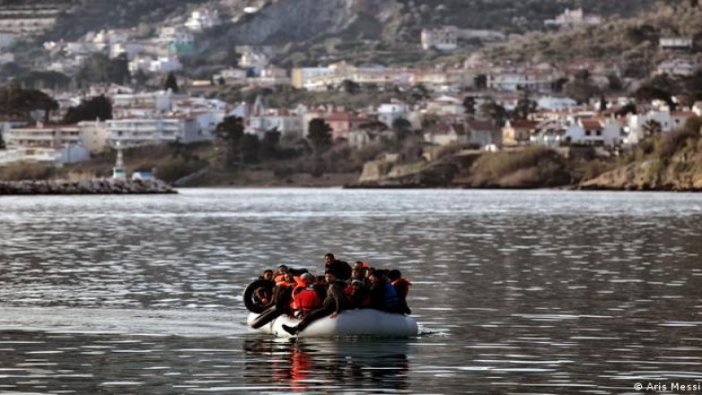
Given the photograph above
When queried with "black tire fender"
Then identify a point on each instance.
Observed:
(251, 302)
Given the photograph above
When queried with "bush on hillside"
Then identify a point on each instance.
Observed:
(26, 171)
(173, 169)
(668, 144)
(531, 167)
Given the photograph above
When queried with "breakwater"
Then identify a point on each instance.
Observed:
(85, 187)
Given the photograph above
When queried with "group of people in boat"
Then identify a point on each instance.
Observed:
(303, 295)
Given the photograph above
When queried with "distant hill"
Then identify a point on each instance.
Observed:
(312, 31)
(632, 42)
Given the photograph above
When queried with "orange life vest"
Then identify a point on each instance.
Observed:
(307, 300)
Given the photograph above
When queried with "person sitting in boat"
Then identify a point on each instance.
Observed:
(341, 268)
(285, 282)
(305, 297)
(283, 270)
(333, 304)
(358, 294)
(401, 286)
(264, 294)
(320, 285)
(382, 293)
(358, 272)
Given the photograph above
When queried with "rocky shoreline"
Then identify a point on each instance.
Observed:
(85, 187)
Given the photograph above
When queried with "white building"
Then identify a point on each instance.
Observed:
(677, 67)
(7, 39)
(6, 58)
(514, 81)
(164, 65)
(48, 156)
(256, 61)
(130, 49)
(54, 145)
(131, 132)
(285, 122)
(675, 43)
(573, 18)
(389, 112)
(555, 103)
(202, 19)
(594, 131)
(93, 135)
(442, 38)
(230, 76)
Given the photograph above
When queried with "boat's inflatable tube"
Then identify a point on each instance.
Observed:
(361, 322)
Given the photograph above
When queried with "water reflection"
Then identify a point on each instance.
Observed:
(537, 291)
(314, 365)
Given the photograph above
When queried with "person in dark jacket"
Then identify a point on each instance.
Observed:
(382, 294)
(401, 286)
(334, 303)
(341, 268)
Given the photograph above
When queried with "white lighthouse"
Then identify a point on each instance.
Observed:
(118, 172)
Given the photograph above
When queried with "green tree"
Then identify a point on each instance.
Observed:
(350, 87)
(248, 148)
(629, 108)
(171, 83)
(319, 135)
(480, 81)
(270, 144)
(402, 128)
(494, 111)
(647, 93)
(469, 105)
(100, 68)
(694, 125)
(16, 101)
(99, 107)
(525, 107)
(229, 132)
(652, 128)
(581, 88)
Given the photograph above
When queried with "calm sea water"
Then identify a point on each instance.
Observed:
(516, 292)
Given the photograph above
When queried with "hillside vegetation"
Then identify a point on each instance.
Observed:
(631, 42)
(670, 161)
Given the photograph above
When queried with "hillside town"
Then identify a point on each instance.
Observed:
(473, 104)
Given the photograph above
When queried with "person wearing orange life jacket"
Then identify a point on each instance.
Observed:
(401, 286)
(333, 304)
(305, 297)
(282, 296)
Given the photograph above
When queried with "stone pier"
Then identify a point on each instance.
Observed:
(105, 186)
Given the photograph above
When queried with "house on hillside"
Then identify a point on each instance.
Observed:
(594, 131)
(518, 132)
(675, 43)
(549, 133)
(573, 18)
(342, 123)
(468, 132)
(54, 145)
(443, 38)
(678, 67)
(284, 121)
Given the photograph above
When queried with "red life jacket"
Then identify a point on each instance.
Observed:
(401, 285)
(307, 300)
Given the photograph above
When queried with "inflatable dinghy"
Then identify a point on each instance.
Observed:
(360, 322)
